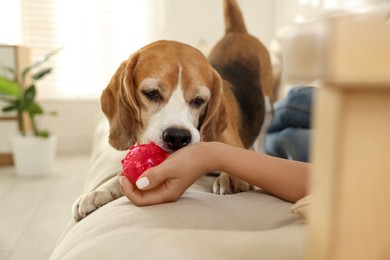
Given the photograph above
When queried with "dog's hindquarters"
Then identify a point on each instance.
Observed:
(244, 64)
(243, 60)
(248, 94)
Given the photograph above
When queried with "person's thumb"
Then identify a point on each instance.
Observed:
(150, 178)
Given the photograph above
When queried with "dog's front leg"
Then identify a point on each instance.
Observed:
(226, 184)
(93, 200)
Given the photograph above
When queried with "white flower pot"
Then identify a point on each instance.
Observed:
(34, 156)
(7, 129)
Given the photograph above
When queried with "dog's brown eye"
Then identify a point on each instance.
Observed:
(197, 102)
(152, 95)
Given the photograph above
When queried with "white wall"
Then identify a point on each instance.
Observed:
(74, 125)
(200, 22)
(289, 11)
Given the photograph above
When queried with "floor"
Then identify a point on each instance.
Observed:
(34, 212)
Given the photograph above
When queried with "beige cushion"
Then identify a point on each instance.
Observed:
(301, 207)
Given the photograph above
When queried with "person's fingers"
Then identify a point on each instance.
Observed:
(162, 194)
(153, 177)
(126, 186)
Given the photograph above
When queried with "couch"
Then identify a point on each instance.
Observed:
(201, 225)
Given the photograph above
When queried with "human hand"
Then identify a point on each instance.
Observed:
(169, 180)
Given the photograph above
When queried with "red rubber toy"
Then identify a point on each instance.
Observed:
(140, 158)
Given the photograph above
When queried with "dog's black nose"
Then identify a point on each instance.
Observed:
(176, 138)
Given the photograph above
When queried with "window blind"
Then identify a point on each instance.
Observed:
(94, 37)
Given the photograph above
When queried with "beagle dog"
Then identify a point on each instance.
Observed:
(169, 93)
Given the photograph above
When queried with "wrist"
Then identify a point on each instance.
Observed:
(208, 154)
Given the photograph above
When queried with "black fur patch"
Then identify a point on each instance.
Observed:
(245, 78)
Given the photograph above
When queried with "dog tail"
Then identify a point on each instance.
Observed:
(234, 21)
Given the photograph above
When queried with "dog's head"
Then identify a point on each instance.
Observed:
(166, 93)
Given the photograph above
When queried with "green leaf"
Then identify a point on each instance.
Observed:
(43, 133)
(40, 62)
(29, 95)
(20, 105)
(52, 113)
(42, 73)
(10, 108)
(9, 88)
(34, 109)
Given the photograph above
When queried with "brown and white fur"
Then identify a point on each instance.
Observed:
(169, 93)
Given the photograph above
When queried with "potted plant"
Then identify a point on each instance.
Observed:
(33, 148)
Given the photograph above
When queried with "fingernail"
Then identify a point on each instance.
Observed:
(142, 183)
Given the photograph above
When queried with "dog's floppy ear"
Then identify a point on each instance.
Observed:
(215, 120)
(120, 106)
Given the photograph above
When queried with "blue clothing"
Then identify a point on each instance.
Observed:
(288, 135)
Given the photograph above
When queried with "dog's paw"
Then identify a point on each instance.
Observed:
(89, 202)
(225, 184)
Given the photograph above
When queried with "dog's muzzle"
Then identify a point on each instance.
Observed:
(176, 138)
